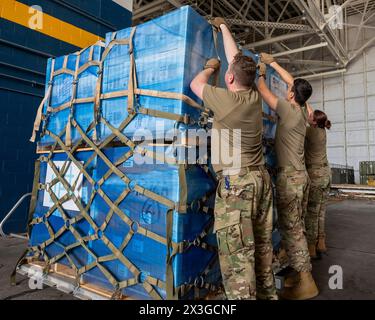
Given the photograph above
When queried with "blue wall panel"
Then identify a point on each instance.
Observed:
(16, 154)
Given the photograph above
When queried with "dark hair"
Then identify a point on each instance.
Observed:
(302, 91)
(244, 70)
(321, 119)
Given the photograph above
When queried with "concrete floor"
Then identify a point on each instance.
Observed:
(351, 245)
(350, 241)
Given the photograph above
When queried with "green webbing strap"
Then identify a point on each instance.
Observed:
(165, 115)
(214, 36)
(88, 65)
(169, 95)
(34, 194)
(132, 82)
(19, 262)
(152, 195)
(151, 291)
(217, 73)
(46, 98)
(120, 174)
(170, 289)
(183, 188)
(68, 131)
(185, 288)
(108, 217)
(132, 268)
(120, 161)
(121, 127)
(124, 139)
(144, 152)
(63, 71)
(69, 154)
(128, 283)
(181, 247)
(156, 282)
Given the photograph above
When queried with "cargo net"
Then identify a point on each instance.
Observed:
(197, 286)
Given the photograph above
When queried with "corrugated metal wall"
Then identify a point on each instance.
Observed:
(349, 101)
(23, 55)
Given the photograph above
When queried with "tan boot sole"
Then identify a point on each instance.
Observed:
(286, 296)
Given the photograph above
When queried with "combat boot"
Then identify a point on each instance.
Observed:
(321, 246)
(303, 290)
(291, 280)
(312, 251)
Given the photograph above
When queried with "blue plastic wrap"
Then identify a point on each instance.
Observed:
(62, 93)
(169, 51)
(147, 254)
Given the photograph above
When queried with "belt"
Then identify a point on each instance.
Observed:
(317, 166)
(243, 171)
(288, 169)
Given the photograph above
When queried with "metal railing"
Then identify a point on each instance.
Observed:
(18, 203)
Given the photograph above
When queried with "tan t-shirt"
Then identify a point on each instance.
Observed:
(238, 127)
(290, 135)
(316, 146)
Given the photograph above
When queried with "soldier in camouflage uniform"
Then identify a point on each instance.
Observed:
(243, 224)
(243, 207)
(320, 176)
(292, 194)
(292, 182)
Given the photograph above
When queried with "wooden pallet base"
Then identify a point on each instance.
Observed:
(63, 278)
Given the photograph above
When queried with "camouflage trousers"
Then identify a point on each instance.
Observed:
(292, 194)
(320, 178)
(243, 226)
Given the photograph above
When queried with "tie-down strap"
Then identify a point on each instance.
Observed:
(99, 231)
(130, 93)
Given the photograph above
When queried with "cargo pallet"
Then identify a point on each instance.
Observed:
(62, 278)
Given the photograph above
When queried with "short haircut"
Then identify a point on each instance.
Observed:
(244, 70)
(302, 91)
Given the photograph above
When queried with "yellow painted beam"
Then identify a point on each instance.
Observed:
(22, 14)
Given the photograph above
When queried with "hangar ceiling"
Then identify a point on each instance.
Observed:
(312, 37)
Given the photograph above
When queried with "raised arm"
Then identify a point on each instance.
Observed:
(202, 78)
(285, 75)
(263, 89)
(309, 109)
(230, 45)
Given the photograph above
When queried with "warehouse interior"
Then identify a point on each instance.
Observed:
(330, 43)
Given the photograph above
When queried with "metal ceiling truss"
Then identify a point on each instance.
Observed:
(300, 32)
